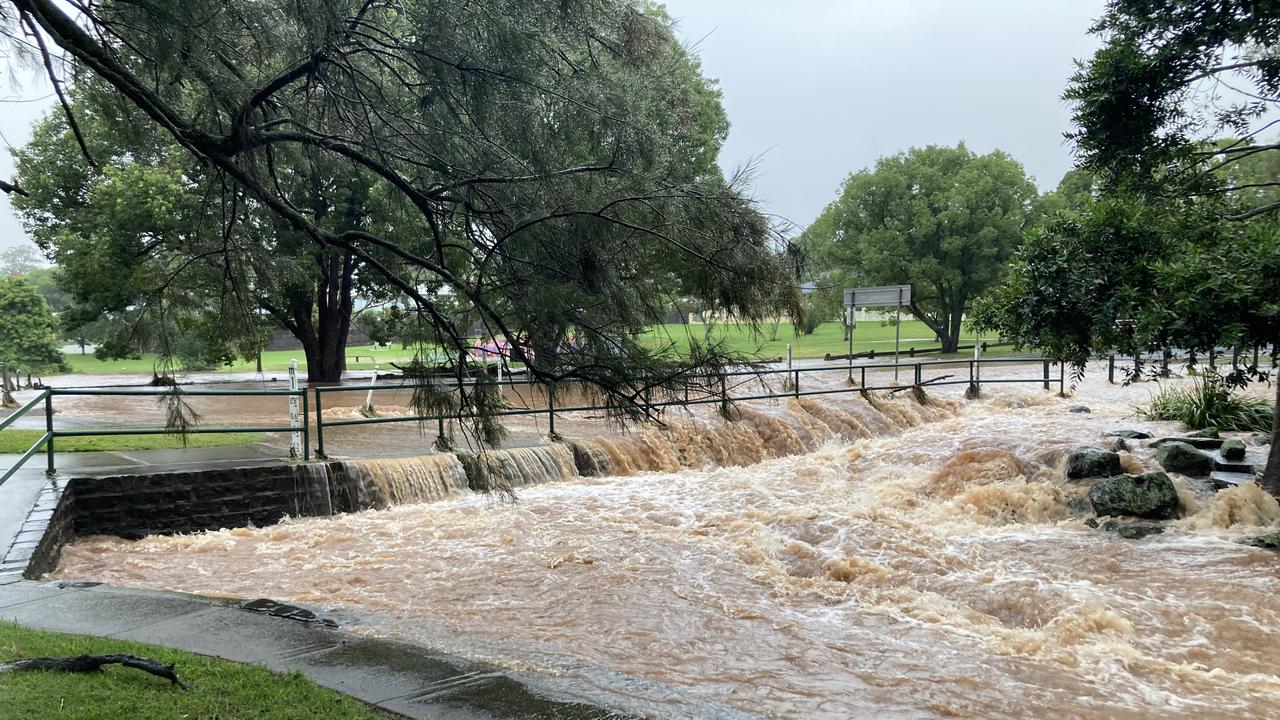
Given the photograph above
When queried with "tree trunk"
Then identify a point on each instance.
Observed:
(1271, 476)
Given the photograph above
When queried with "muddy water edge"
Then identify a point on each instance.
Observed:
(827, 558)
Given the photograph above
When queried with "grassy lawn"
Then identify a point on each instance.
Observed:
(273, 362)
(217, 689)
(828, 338)
(19, 441)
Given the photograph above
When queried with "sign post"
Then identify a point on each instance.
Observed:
(295, 442)
(890, 295)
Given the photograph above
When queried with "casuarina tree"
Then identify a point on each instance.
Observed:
(531, 161)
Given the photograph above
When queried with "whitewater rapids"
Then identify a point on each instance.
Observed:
(815, 559)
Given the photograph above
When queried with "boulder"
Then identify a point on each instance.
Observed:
(1088, 462)
(1221, 480)
(1233, 450)
(1270, 540)
(1182, 458)
(1128, 434)
(1137, 532)
(1151, 496)
(1119, 445)
(1079, 409)
(1199, 443)
(1260, 439)
(1209, 432)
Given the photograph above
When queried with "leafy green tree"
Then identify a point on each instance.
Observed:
(944, 220)
(538, 161)
(18, 260)
(1182, 247)
(27, 328)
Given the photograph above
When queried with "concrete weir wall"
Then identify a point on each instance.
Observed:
(135, 505)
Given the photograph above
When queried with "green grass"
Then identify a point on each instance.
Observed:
(273, 362)
(19, 441)
(217, 689)
(827, 339)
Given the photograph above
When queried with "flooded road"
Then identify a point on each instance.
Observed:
(818, 558)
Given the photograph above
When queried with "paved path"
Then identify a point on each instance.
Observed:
(397, 677)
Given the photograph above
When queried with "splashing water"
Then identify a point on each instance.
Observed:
(826, 559)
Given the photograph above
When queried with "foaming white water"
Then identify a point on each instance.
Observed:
(822, 559)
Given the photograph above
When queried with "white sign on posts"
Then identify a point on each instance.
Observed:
(886, 296)
(295, 443)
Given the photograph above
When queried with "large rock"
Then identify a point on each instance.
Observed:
(1233, 450)
(1182, 458)
(1151, 496)
(1260, 439)
(1092, 462)
(1128, 434)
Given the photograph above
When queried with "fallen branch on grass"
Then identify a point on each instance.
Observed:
(94, 663)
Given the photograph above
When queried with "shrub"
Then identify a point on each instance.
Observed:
(1210, 403)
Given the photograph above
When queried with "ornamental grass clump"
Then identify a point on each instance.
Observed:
(1210, 403)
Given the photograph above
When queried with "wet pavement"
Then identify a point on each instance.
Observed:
(397, 677)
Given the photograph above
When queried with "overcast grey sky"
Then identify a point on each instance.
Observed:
(817, 89)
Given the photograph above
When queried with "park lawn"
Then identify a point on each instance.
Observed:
(827, 339)
(274, 361)
(217, 689)
(19, 441)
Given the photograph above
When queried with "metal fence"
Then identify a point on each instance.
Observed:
(923, 374)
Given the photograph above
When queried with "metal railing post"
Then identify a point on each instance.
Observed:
(1111, 369)
(795, 388)
(551, 410)
(1046, 373)
(919, 370)
(319, 425)
(50, 467)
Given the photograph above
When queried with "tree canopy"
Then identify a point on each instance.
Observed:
(534, 161)
(942, 219)
(1181, 247)
(27, 328)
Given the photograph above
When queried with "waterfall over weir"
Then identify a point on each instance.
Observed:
(752, 436)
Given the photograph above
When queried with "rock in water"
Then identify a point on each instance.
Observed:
(1270, 540)
(1128, 434)
(1079, 409)
(1182, 458)
(1209, 432)
(1199, 443)
(1151, 496)
(1260, 439)
(1092, 462)
(1119, 444)
(1233, 450)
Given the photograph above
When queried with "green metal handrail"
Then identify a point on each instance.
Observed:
(551, 410)
(47, 441)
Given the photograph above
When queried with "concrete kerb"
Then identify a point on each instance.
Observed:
(396, 677)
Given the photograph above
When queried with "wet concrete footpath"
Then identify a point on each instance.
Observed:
(396, 677)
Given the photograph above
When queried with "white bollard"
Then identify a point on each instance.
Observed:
(295, 443)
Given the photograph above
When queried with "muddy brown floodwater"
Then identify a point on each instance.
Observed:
(827, 558)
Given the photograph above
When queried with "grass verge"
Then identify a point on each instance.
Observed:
(19, 441)
(217, 689)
